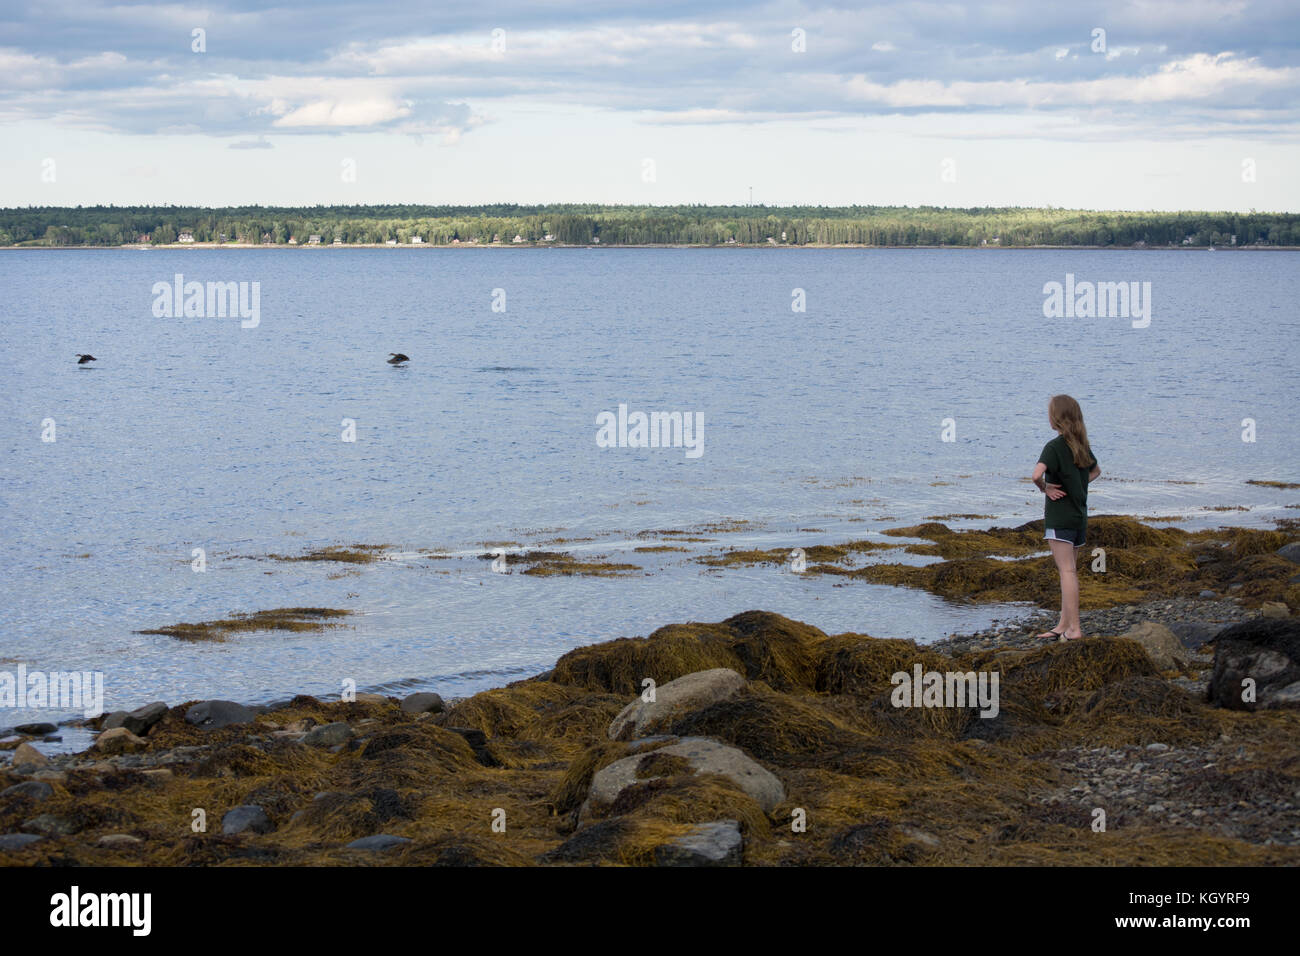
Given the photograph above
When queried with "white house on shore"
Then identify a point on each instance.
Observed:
(185, 237)
(417, 240)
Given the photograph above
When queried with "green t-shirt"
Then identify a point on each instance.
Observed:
(1072, 510)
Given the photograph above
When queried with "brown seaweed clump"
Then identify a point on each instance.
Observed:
(500, 778)
(278, 619)
(1140, 562)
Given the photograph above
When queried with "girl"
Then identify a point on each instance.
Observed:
(1063, 471)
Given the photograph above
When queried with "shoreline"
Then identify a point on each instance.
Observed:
(758, 720)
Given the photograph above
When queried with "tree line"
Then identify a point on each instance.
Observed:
(586, 224)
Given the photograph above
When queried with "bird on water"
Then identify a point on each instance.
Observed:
(398, 358)
(83, 359)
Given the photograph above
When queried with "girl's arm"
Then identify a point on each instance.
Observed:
(1037, 477)
(1095, 473)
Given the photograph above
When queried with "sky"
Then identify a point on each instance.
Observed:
(1143, 104)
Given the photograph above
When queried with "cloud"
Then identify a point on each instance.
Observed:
(259, 143)
(334, 66)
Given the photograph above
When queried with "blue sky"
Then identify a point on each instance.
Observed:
(1187, 104)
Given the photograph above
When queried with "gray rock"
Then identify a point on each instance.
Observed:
(1291, 552)
(17, 841)
(1194, 634)
(689, 692)
(704, 755)
(328, 735)
(378, 842)
(1207, 594)
(707, 844)
(142, 718)
(214, 714)
(425, 703)
(29, 790)
(1266, 650)
(248, 817)
(35, 730)
(47, 824)
(115, 719)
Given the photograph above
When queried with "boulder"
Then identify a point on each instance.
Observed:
(689, 692)
(29, 790)
(47, 824)
(378, 842)
(1165, 650)
(119, 740)
(214, 714)
(424, 703)
(17, 841)
(116, 718)
(29, 757)
(702, 755)
(142, 718)
(35, 730)
(248, 817)
(707, 844)
(1193, 634)
(1291, 552)
(1266, 650)
(1274, 609)
(328, 735)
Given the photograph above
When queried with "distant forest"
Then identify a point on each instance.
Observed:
(581, 224)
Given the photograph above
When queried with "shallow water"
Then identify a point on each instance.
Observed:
(197, 433)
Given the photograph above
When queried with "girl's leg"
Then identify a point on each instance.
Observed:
(1063, 554)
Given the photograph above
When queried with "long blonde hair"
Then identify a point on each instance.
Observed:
(1065, 415)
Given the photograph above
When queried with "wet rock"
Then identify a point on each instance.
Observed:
(378, 842)
(328, 735)
(141, 719)
(17, 841)
(214, 714)
(29, 790)
(114, 719)
(1264, 650)
(1291, 552)
(703, 755)
(707, 844)
(1165, 650)
(119, 740)
(1208, 594)
(247, 817)
(689, 692)
(35, 730)
(425, 703)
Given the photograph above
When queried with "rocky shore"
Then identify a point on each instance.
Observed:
(1170, 735)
